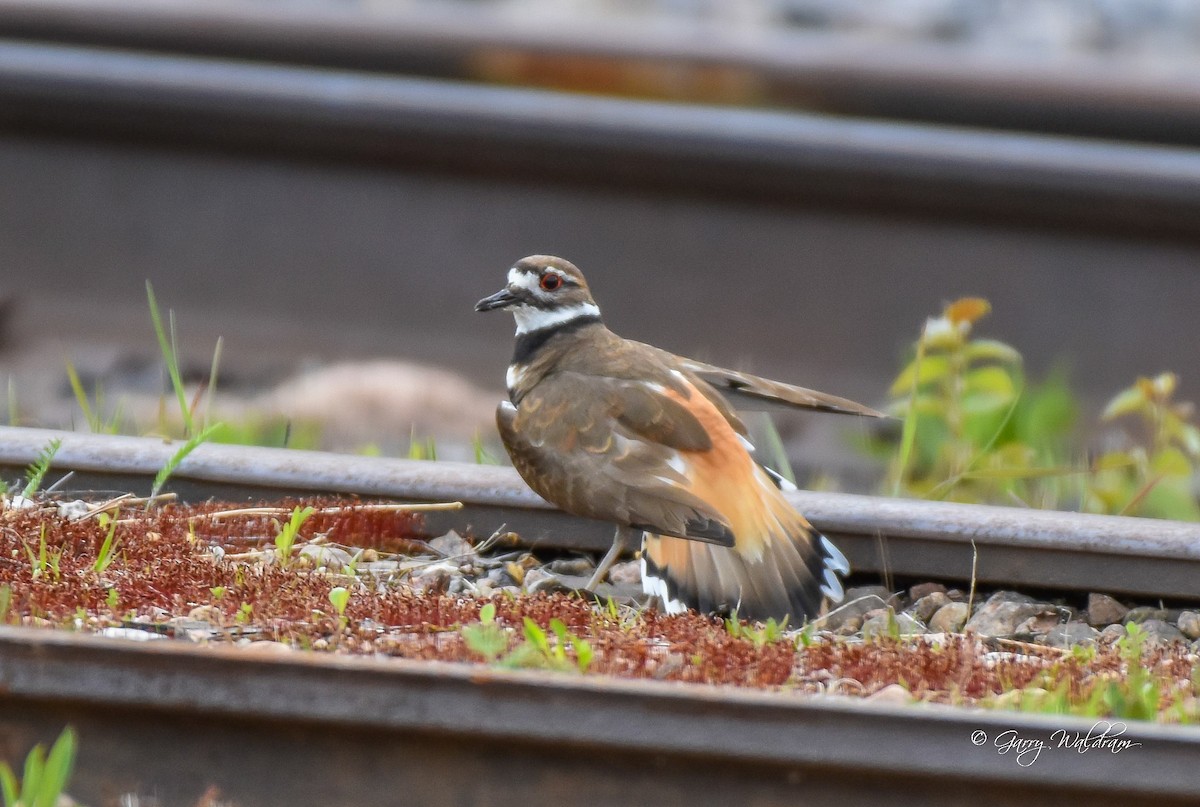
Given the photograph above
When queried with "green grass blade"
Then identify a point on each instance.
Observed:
(908, 435)
(14, 418)
(35, 763)
(8, 785)
(37, 471)
(179, 456)
(81, 398)
(108, 550)
(212, 381)
(166, 344)
(58, 769)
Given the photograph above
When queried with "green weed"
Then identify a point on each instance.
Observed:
(285, 539)
(44, 777)
(36, 472)
(108, 548)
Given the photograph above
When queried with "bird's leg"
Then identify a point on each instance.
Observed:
(624, 538)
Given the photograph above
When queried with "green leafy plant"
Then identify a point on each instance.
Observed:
(285, 539)
(760, 634)
(1153, 475)
(173, 463)
(487, 638)
(46, 561)
(567, 652)
(419, 449)
(44, 777)
(36, 472)
(965, 434)
(974, 429)
(339, 598)
(108, 548)
(5, 602)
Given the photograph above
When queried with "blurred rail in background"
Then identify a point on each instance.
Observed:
(324, 183)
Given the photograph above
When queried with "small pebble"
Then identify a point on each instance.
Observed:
(628, 573)
(893, 695)
(1189, 624)
(1145, 613)
(950, 618)
(921, 590)
(925, 607)
(577, 566)
(452, 545)
(328, 557)
(1158, 632)
(1104, 610)
(1006, 613)
(1069, 634)
(1112, 633)
(888, 623)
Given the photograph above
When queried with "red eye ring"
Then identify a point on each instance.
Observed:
(551, 282)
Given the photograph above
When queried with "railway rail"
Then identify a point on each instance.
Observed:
(820, 71)
(312, 728)
(309, 729)
(291, 170)
(903, 538)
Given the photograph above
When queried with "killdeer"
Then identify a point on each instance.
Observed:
(617, 430)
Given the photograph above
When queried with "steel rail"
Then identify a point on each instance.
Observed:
(1080, 95)
(432, 125)
(928, 540)
(307, 728)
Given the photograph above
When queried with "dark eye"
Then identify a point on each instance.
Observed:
(551, 281)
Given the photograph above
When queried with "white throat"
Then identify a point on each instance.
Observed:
(531, 319)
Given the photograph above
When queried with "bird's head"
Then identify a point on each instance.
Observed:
(543, 292)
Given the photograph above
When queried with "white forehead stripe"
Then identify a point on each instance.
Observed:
(531, 319)
(522, 280)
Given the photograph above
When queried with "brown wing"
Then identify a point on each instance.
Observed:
(612, 449)
(763, 390)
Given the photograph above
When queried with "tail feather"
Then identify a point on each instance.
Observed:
(791, 571)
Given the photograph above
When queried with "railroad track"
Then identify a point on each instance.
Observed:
(903, 538)
(311, 728)
(292, 169)
(819, 71)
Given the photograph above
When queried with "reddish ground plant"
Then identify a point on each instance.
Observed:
(213, 572)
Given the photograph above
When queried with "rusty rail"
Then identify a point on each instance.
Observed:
(825, 71)
(928, 540)
(315, 729)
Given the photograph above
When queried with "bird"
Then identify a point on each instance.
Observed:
(617, 430)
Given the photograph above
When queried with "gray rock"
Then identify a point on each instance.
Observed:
(857, 602)
(1005, 612)
(1040, 624)
(1112, 633)
(581, 567)
(921, 590)
(435, 580)
(628, 573)
(1007, 596)
(892, 694)
(452, 545)
(950, 618)
(884, 623)
(328, 557)
(1158, 632)
(925, 607)
(1104, 610)
(1069, 634)
(501, 577)
(1189, 624)
(1145, 613)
